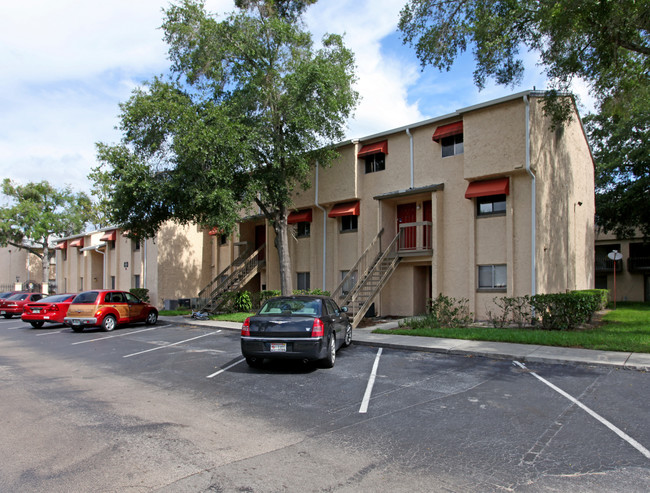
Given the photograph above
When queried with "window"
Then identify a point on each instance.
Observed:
(493, 205)
(136, 245)
(349, 223)
(136, 281)
(81, 284)
(492, 277)
(452, 145)
(112, 282)
(375, 162)
(303, 281)
(303, 230)
(64, 254)
(223, 239)
(350, 282)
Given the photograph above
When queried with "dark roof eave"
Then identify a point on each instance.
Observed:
(410, 191)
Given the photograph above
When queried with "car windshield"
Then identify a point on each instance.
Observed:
(57, 298)
(18, 297)
(5, 295)
(88, 297)
(291, 306)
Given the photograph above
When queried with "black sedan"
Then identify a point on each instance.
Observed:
(308, 328)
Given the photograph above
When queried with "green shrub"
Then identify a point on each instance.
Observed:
(601, 297)
(564, 311)
(142, 293)
(242, 302)
(512, 310)
(444, 311)
(310, 292)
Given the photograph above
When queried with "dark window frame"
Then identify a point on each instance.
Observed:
(303, 229)
(493, 287)
(375, 162)
(349, 224)
(495, 202)
(452, 145)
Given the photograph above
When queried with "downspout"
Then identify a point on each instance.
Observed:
(324, 230)
(408, 132)
(533, 202)
(144, 264)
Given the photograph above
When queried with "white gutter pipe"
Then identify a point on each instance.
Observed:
(533, 203)
(324, 230)
(408, 132)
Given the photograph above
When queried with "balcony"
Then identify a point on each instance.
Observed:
(415, 238)
(638, 264)
(605, 265)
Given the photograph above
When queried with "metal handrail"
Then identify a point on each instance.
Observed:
(337, 292)
(235, 262)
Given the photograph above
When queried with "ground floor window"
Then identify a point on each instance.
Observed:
(601, 282)
(303, 229)
(112, 282)
(136, 281)
(304, 281)
(349, 223)
(492, 277)
(81, 284)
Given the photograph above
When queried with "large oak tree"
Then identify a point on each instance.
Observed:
(248, 109)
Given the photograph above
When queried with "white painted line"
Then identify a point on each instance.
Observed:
(170, 345)
(371, 383)
(226, 368)
(50, 332)
(117, 335)
(609, 425)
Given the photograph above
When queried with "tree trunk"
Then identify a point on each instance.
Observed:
(45, 265)
(281, 229)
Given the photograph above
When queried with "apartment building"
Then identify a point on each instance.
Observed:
(173, 265)
(486, 201)
(22, 269)
(631, 279)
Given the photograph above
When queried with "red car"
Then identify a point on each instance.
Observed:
(5, 295)
(108, 309)
(14, 304)
(52, 309)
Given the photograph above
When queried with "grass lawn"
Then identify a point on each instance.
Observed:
(625, 329)
(228, 317)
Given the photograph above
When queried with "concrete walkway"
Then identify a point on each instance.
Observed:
(487, 349)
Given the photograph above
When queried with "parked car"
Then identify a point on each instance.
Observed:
(51, 309)
(307, 328)
(108, 309)
(13, 305)
(6, 294)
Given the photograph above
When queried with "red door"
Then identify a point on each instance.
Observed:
(260, 239)
(406, 214)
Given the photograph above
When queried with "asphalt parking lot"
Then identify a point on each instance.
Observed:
(381, 419)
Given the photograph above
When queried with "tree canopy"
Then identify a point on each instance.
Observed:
(605, 43)
(37, 213)
(248, 108)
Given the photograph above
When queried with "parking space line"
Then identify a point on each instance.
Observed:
(609, 425)
(226, 368)
(50, 332)
(371, 383)
(170, 345)
(116, 335)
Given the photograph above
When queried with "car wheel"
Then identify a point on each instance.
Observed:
(152, 318)
(348, 336)
(109, 323)
(330, 359)
(37, 325)
(77, 328)
(254, 362)
(8, 315)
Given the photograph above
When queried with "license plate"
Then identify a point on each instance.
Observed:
(278, 347)
(76, 322)
(36, 310)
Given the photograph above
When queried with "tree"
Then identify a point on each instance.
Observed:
(589, 39)
(39, 212)
(248, 109)
(605, 43)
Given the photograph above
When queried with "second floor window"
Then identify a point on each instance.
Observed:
(452, 146)
(375, 162)
(492, 205)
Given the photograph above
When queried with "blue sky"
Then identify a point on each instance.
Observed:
(68, 64)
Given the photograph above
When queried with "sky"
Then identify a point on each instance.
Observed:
(66, 66)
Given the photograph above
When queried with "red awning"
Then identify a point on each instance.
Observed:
(109, 236)
(500, 186)
(79, 243)
(375, 148)
(61, 246)
(345, 209)
(443, 131)
(299, 217)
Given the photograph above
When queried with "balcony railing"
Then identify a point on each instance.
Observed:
(638, 264)
(605, 265)
(415, 237)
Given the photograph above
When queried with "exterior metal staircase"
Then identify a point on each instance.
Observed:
(376, 267)
(243, 269)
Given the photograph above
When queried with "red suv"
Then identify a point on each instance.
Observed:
(108, 309)
(14, 304)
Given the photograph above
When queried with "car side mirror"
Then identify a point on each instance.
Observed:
(344, 309)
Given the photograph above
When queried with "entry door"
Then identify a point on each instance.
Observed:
(406, 214)
(260, 239)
